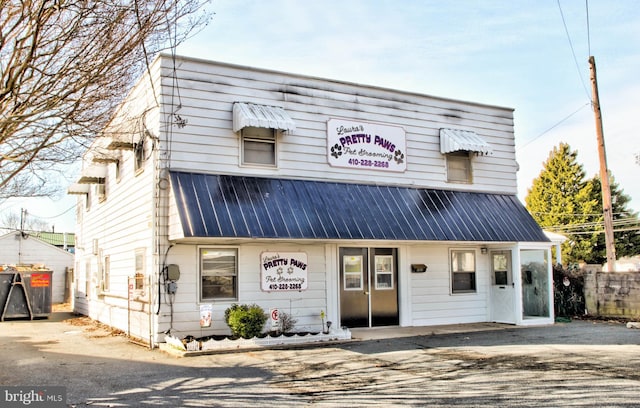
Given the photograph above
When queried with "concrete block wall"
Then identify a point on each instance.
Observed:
(612, 294)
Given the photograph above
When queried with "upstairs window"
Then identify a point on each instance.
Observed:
(259, 146)
(118, 169)
(101, 192)
(138, 152)
(459, 167)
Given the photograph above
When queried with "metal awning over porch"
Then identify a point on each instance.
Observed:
(252, 207)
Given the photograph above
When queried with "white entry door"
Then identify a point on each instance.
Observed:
(503, 308)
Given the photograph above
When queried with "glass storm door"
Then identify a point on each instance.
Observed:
(368, 287)
(536, 296)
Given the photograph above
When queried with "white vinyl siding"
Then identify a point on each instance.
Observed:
(431, 300)
(122, 223)
(304, 306)
(209, 145)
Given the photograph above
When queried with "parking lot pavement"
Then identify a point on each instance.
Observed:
(582, 363)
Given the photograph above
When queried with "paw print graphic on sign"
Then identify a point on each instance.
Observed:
(336, 150)
(399, 157)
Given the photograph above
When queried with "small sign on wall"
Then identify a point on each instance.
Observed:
(362, 145)
(40, 280)
(283, 271)
(275, 318)
(205, 315)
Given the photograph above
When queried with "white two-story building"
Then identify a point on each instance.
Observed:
(217, 184)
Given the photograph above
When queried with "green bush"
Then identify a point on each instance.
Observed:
(245, 321)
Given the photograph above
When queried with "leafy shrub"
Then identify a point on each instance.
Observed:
(569, 299)
(245, 321)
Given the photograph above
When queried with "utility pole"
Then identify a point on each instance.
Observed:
(604, 172)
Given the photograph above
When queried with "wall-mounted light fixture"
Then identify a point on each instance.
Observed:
(483, 250)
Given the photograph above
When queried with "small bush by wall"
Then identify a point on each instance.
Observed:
(245, 321)
(568, 285)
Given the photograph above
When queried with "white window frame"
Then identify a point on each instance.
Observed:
(350, 274)
(118, 169)
(87, 279)
(266, 136)
(140, 269)
(106, 273)
(457, 266)
(87, 200)
(139, 158)
(230, 251)
(462, 158)
(384, 267)
(101, 191)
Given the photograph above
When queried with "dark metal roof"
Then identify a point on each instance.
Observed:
(252, 207)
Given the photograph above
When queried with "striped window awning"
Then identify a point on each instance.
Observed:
(263, 116)
(453, 140)
(78, 189)
(93, 174)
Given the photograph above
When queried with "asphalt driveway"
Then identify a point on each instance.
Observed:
(582, 363)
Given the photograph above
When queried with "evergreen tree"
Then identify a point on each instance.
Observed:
(626, 224)
(560, 197)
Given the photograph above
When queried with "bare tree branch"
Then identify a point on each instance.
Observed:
(64, 67)
(13, 221)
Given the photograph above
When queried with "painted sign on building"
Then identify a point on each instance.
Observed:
(283, 271)
(361, 145)
(40, 280)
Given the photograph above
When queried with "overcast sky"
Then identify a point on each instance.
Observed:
(515, 54)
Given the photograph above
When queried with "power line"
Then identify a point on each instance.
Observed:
(554, 126)
(573, 52)
(55, 216)
(598, 231)
(628, 224)
(622, 221)
(575, 59)
(580, 227)
(586, 4)
(574, 214)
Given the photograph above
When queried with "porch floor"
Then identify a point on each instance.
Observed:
(377, 333)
